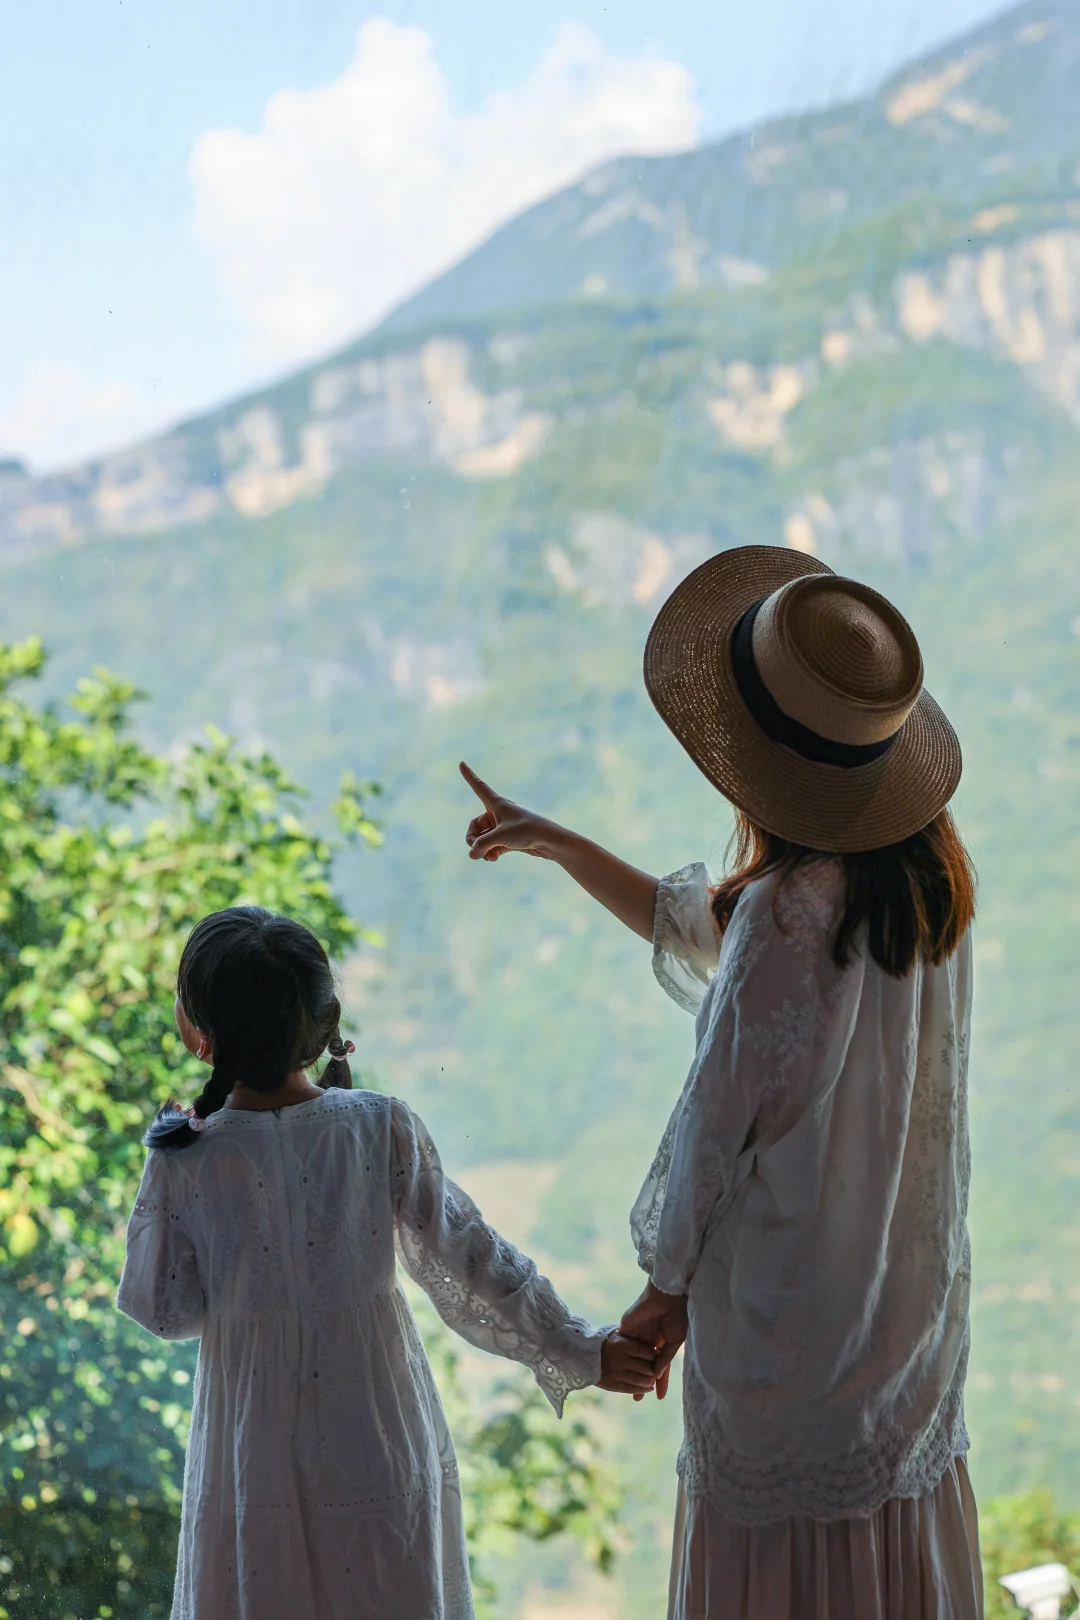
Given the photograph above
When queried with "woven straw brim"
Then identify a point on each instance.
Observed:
(689, 677)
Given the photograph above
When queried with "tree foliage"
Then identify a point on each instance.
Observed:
(522, 1471)
(1019, 1532)
(108, 854)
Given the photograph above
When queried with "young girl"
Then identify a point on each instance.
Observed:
(321, 1482)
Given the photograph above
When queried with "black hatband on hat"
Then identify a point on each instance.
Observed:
(780, 727)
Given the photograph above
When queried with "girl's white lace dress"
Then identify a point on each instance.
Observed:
(810, 1197)
(321, 1482)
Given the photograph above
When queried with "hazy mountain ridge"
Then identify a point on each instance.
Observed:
(1013, 164)
(996, 106)
(1017, 298)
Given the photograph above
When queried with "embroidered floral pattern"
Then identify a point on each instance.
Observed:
(792, 1480)
(810, 1193)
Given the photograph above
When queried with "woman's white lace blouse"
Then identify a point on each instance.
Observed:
(320, 1478)
(810, 1196)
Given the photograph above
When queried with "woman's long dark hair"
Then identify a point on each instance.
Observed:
(915, 899)
(260, 988)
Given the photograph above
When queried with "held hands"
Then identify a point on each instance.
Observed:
(660, 1322)
(637, 1357)
(627, 1366)
(505, 826)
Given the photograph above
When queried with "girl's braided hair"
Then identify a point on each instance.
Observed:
(260, 987)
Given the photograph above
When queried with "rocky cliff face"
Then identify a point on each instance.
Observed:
(417, 401)
(952, 197)
(1017, 298)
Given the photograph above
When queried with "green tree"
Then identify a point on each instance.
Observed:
(1018, 1532)
(108, 855)
(522, 1471)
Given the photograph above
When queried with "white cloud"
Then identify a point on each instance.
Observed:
(352, 195)
(59, 415)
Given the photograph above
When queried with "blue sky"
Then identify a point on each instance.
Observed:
(175, 228)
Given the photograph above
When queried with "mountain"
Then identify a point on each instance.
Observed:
(854, 332)
(966, 166)
(956, 135)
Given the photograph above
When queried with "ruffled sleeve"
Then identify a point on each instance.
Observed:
(686, 942)
(160, 1286)
(478, 1282)
(775, 1020)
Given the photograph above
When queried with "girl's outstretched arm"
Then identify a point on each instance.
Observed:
(503, 826)
(488, 1292)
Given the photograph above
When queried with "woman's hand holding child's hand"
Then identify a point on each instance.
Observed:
(659, 1321)
(627, 1366)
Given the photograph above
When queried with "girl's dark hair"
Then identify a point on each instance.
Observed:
(916, 898)
(260, 988)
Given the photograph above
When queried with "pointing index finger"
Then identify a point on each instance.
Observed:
(480, 788)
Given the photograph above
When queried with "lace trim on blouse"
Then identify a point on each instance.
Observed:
(686, 942)
(831, 1103)
(898, 1464)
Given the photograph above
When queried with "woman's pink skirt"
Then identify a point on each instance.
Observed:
(912, 1560)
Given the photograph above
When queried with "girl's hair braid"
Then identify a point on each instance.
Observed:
(260, 987)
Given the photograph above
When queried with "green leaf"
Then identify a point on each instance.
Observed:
(22, 1234)
(103, 1049)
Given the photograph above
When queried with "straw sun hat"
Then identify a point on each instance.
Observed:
(799, 695)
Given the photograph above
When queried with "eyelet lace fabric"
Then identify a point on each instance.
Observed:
(810, 1195)
(478, 1282)
(321, 1476)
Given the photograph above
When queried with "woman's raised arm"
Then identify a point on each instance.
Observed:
(503, 826)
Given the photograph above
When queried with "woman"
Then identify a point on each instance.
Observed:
(803, 1226)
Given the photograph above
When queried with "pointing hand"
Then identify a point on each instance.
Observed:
(504, 826)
